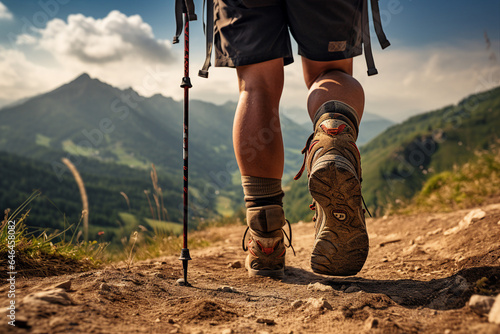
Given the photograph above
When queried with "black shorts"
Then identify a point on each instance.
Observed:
(253, 31)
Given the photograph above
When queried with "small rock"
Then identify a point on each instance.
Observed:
(54, 296)
(297, 303)
(319, 287)
(64, 285)
(104, 287)
(371, 322)
(22, 321)
(56, 321)
(447, 331)
(494, 316)
(346, 312)
(319, 303)
(436, 231)
(157, 320)
(235, 265)
(227, 331)
(481, 304)
(352, 288)
(269, 322)
(227, 289)
(472, 216)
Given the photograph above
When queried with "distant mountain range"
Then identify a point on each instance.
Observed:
(113, 136)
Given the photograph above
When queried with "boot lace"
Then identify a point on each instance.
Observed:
(289, 238)
(305, 151)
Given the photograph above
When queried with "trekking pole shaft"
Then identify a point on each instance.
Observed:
(186, 84)
(186, 87)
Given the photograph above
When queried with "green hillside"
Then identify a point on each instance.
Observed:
(113, 136)
(398, 162)
(60, 203)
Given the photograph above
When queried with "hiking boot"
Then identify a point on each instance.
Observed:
(334, 174)
(266, 245)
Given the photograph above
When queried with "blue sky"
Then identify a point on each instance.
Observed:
(438, 53)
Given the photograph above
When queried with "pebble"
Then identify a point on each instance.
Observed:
(235, 265)
(371, 322)
(269, 322)
(64, 285)
(227, 289)
(104, 287)
(53, 296)
(319, 287)
(320, 303)
(227, 331)
(352, 288)
(297, 303)
(494, 316)
(481, 304)
(472, 216)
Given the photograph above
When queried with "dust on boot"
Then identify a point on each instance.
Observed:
(266, 244)
(334, 173)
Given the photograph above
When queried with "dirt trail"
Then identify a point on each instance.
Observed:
(419, 275)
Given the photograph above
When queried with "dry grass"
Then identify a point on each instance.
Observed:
(83, 194)
(43, 254)
(466, 186)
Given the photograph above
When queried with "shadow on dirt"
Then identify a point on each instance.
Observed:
(441, 294)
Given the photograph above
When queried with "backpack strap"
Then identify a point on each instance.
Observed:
(382, 39)
(372, 70)
(183, 6)
(208, 29)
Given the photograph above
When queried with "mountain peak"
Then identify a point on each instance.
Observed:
(83, 77)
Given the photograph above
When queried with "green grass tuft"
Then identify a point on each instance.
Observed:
(43, 254)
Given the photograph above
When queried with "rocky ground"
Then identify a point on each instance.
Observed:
(419, 277)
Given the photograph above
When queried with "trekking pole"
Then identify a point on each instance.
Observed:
(187, 8)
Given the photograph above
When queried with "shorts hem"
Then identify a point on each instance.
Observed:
(242, 61)
(332, 56)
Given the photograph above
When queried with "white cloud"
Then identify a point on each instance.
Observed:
(5, 14)
(123, 51)
(118, 49)
(102, 41)
(26, 39)
(418, 80)
(22, 78)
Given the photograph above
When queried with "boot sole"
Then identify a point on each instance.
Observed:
(341, 245)
(278, 273)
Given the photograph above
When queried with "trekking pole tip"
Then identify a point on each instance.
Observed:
(183, 282)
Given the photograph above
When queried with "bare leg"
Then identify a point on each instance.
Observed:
(332, 80)
(257, 139)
